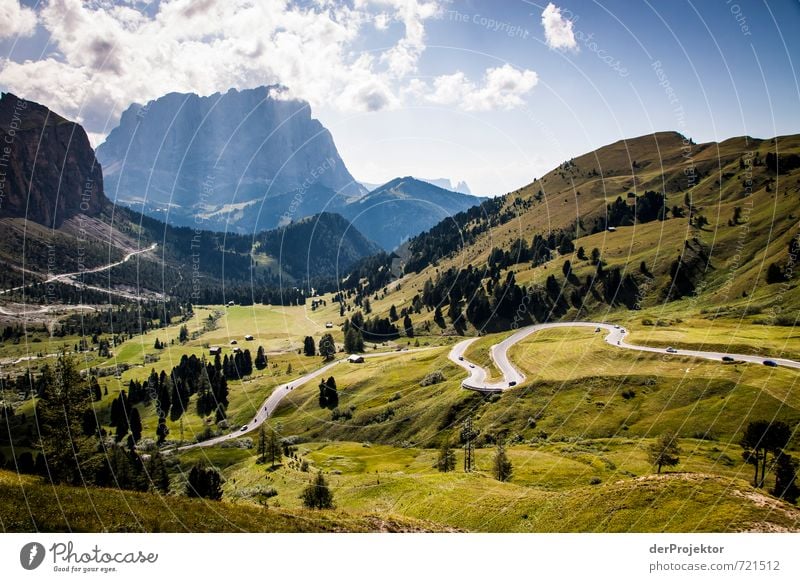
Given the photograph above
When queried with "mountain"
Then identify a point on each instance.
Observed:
(56, 219)
(402, 208)
(228, 160)
(249, 160)
(48, 170)
(447, 184)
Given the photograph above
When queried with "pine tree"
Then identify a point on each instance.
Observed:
(327, 347)
(157, 471)
(317, 495)
(393, 313)
(97, 395)
(183, 334)
(408, 326)
(162, 431)
(274, 449)
(786, 482)
(136, 425)
(261, 359)
(59, 415)
(309, 349)
(502, 467)
(447, 458)
(262, 445)
(665, 451)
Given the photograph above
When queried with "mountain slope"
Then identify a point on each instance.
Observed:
(56, 219)
(655, 223)
(403, 207)
(183, 156)
(49, 173)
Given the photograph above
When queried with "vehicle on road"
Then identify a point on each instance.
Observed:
(672, 350)
(771, 363)
(512, 383)
(727, 359)
(243, 428)
(596, 329)
(472, 365)
(461, 358)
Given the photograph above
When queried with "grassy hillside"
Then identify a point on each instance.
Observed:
(29, 505)
(728, 215)
(587, 486)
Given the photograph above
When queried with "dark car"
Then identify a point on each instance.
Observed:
(727, 359)
(770, 363)
(512, 383)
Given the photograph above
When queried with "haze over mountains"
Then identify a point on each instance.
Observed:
(250, 160)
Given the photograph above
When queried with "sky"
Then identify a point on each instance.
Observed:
(491, 92)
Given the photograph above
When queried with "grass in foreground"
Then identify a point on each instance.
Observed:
(27, 504)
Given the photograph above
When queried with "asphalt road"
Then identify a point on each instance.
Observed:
(67, 277)
(280, 392)
(615, 337)
(477, 375)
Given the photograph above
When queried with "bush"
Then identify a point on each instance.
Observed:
(337, 414)
(432, 378)
(595, 481)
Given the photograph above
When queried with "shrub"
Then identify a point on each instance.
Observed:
(432, 378)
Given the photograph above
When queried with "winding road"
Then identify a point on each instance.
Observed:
(477, 379)
(68, 277)
(280, 392)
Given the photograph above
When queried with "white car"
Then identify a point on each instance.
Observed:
(672, 350)
(243, 428)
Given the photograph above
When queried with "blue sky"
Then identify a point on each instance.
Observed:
(491, 92)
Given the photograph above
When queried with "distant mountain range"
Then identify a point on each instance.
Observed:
(402, 208)
(55, 218)
(246, 161)
(445, 183)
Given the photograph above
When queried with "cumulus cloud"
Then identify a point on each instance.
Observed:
(558, 31)
(16, 20)
(502, 88)
(108, 55)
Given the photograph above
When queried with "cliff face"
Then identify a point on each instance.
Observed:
(221, 159)
(48, 171)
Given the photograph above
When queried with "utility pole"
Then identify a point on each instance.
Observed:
(467, 435)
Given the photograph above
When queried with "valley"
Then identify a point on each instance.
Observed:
(596, 351)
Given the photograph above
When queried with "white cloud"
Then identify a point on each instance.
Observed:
(502, 88)
(382, 21)
(558, 31)
(108, 55)
(16, 20)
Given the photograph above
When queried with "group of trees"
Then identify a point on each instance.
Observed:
(328, 394)
(502, 467)
(760, 441)
(375, 329)
(72, 448)
(763, 438)
(777, 273)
